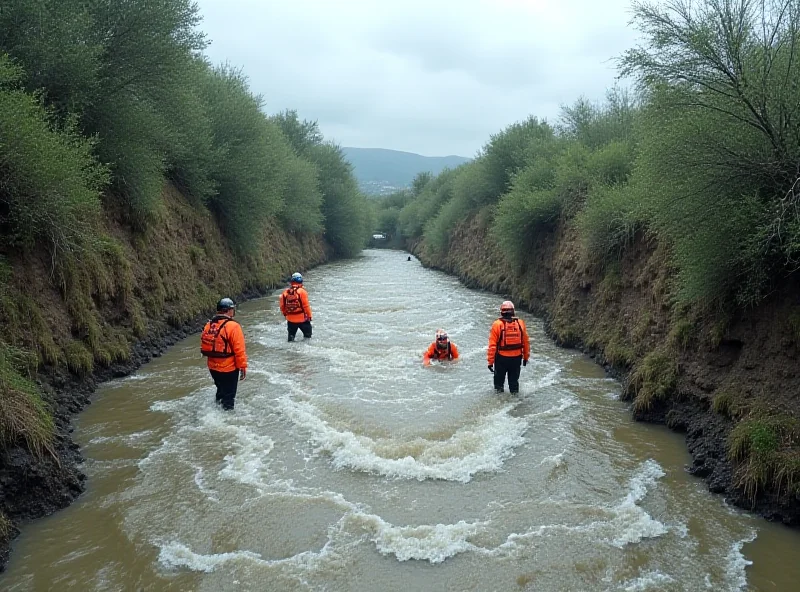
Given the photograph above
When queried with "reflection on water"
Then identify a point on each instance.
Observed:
(347, 465)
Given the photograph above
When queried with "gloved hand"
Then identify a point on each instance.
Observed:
(524, 362)
(491, 368)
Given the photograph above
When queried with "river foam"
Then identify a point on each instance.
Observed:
(477, 447)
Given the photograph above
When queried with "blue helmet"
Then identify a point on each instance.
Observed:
(225, 304)
(297, 278)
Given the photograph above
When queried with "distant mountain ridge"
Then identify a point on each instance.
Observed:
(380, 170)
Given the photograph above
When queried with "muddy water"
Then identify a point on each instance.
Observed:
(347, 465)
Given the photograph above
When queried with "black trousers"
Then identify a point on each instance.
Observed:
(507, 365)
(305, 327)
(227, 383)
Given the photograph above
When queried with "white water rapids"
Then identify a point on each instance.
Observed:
(347, 465)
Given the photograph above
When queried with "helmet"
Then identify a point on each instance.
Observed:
(225, 304)
(297, 278)
(441, 338)
(507, 307)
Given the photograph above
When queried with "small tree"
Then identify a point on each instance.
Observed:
(721, 137)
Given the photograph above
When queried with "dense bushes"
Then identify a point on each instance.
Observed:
(51, 182)
(131, 76)
(104, 108)
(706, 156)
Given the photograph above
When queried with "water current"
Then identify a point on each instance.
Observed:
(347, 465)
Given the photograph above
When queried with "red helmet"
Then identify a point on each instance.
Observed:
(507, 307)
(441, 338)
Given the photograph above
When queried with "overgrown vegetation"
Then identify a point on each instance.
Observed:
(105, 109)
(705, 155)
(24, 417)
(654, 379)
(765, 446)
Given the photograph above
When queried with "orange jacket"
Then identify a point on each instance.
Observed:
(224, 337)
(508, 338)
(294, 304)
(434, 353)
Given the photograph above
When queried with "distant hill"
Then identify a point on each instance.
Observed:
(382, 171)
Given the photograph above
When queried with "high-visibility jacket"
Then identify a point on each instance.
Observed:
(508, 337)
(434, 353)
(294, 304)
(222, 342)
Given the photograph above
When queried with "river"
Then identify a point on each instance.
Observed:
(347, 465)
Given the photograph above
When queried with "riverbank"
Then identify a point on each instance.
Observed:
(727, 379)
(155, 289)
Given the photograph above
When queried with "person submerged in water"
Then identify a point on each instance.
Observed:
(441, 349)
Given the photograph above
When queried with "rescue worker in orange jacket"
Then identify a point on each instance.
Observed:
(222, 342)
(295, 307)
(509, 347)
(441, 349)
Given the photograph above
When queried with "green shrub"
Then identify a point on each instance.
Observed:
(302, 198)
(612, 164)
(596, 125)
(247, 171)
(437, 231)
(344, 207)
(719, 147)
(51, 182)
(608, 221)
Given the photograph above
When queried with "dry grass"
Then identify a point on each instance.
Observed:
(79, 359)
(5, 527)
(653, 379)
(23, 414)
(681, 334)
(766, 450)
(730, 402)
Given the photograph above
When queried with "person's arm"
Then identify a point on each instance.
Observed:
(453, 350)
(494, 336)
(282, 304)
(306, 305)
(236, 337)
(526, 343)
(426, 357)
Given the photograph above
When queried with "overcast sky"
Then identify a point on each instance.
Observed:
(435, 77)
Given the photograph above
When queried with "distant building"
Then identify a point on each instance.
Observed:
(379, 236)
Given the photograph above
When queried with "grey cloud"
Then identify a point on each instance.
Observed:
(428, 77)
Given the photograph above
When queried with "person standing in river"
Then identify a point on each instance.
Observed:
(509, 348)
(295, 307)
(222, 343)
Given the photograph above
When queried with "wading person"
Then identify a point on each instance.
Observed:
(509, 348)
(222, 342)
(294, 306)
(441, 349)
